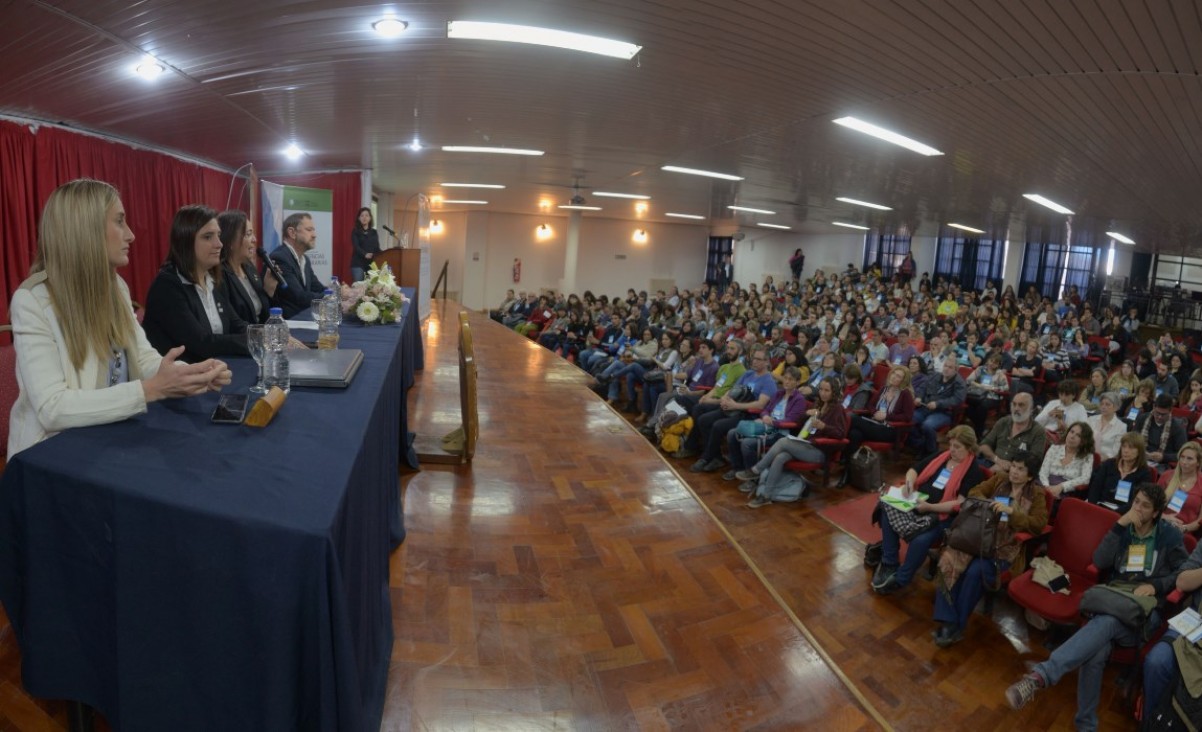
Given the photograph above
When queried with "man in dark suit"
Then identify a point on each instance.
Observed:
(302, 285)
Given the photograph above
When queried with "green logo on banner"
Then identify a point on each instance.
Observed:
(308, 199)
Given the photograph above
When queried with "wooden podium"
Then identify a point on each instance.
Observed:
(406, 266)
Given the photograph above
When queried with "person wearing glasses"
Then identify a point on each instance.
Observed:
(1164, 434)
(711, 427)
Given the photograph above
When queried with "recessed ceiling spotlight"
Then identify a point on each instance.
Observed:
(747, 209)
(1120, 237)
(574, 207)
(775, 226)
(466, 203)
(849, 226)
(856, 202)
(471, 185)
(962, 227)
(416, 145)
(1047, 202)
(859, 125)
(149, 68)
(389, 27)
(697, 171)
(635, 196)
(485, 149)
(293, 152)
(474, 30)
(685, 216)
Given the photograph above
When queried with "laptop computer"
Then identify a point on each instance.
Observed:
(332, 369)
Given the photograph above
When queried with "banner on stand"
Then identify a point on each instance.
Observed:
(280, 202)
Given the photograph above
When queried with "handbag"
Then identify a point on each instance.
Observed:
(751, 428)
(1118, 600)
(653, 375)
(864, 470)
(975, 530)
(907, 524)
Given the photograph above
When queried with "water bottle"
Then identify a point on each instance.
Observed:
(336, 300)
(327, 324)
(275, 353)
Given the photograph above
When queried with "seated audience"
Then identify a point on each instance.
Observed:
(786, 408)
(892, 404)
(936, 403)
(1113, 483)
(1165, 434)
(1107, 428)
(1016, 432)
(1062, 411)
(1183, 489)
(1093, 391)
(1066, 468)
(1160, 665)
(710, 425)
(986, 386)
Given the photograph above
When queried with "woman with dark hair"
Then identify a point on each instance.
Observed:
(186, 305)
(365, 243)
(249, 295)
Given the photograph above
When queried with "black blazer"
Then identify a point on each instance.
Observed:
(175, 317)
(238, 298)
(296, 297)
(362, 244)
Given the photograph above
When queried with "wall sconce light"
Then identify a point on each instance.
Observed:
(543, 232)
(436, 226)
(435, 201)
(640, 208)
(640, 236)
(545, 205)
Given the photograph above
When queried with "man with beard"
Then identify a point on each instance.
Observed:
(1016, 432)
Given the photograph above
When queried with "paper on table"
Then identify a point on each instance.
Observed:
(302, 324)
(895, 497)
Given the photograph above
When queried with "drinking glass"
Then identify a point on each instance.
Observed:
(257, 345)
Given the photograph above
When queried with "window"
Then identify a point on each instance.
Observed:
(972, 261)
(1171, 270)
(1053, 267)
(719, 247)
(887, 250)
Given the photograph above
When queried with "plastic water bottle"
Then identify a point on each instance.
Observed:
(275, 353)
(336, 300)
(327, 324)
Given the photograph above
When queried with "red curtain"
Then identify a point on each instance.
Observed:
(348, 191)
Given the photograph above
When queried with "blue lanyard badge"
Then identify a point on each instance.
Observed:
(721, 379)
(944, 476)
(883, 405)
(1178, 500)
(986, 379)
(1122, 493)
(1132, 413)
(847, 401)
(778, 412)
(897, 360)
(1124, 391)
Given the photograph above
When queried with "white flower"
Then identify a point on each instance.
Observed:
(367, 312)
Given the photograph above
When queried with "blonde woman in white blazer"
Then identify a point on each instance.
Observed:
(82, 358)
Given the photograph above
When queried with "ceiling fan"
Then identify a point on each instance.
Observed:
(577, 199)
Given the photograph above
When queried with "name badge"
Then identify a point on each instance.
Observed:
(882, 405)
(1132, 413)
(1178, 500)
(986, 379)
(897, 360)
(1137, 556)
(721, 379)
(847, 401)
(778, 412)
(696, 377)
(1124, 391)
(944, 476)
(1122, 493)
(1159, 391)
(1005, 501)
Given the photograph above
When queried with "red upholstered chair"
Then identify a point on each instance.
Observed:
(1079, 529)
(902, 433)
(833, 449)
(880, 374)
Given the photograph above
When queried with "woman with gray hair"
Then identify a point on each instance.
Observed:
(1107, 428)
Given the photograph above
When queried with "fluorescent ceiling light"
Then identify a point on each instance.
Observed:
(856, 202)
(1046, 202)
(416, 145)
(497, 150)
(292, 152)
(850, 226)
(881, 133)
(774, 226)
(573, 207)
(1120, 237)
(470, 185)
(696, 171)
(752, 210)
(635, 196)
(685, 216)
(468, 203)
(149, 68)
(474, 30)
(962, 227)
(389, 27)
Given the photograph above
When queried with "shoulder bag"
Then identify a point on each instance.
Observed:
(1118, 599)
(975, 529)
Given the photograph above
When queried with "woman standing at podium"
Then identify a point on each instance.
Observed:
(365, 244)
(82, 358)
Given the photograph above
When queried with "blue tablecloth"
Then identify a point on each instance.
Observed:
(179, 575)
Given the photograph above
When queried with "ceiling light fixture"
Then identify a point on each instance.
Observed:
(849, 226)
(857, 202)
(962, 227)
(467, 203)
(293, 152)
(149, 68)
(640, 207)
(478, 31)
(775, 226)
(389, 27)
(574, 207)
(1120, 237)
(685, 216)
(698, 171)
(635, 196)
(416, 145)
(747, 209)
(639, 236)
(859, 125)
(471, 185)
(496, 150)
(435, 226)
(1047, 202)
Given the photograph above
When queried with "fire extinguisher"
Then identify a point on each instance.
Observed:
(517, 270)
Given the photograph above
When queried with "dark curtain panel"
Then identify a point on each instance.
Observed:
(887, 250)
(968, 259)
(719, 246)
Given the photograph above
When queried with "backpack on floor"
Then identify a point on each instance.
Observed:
(791, 487)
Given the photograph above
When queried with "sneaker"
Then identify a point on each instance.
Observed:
(712, 465)
(684, 454)
(748, 486)
(883, 574)
(758, 501)
(1023, 690)
(890, 586)
(699, 466)
(746, 475)
(729, 475)
(949, 635)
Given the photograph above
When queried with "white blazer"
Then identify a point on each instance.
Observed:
(54, 396)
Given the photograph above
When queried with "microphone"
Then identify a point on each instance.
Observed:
(275, 268)
(388, 229)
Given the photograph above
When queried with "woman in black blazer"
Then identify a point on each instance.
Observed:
(365, 244)
(245, 290)
(186, 306)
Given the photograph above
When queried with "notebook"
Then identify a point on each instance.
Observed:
(333, 369)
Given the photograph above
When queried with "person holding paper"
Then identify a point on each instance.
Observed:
(1018, 497)
(1141, 548)
(1160, 665)
(1112, 484)
(945, 478)
(1183, 489)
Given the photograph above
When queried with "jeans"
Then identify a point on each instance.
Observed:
(704, 416)
(967, 591)
(357, 274)
(719, 427)
(916, 554)
(1160, 669)
(772, 464)
(926, 423)
(742, 450)
(631, 372)
(652, 391)
(1088, 650)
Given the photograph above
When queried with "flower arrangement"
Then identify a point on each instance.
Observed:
(375, 299)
